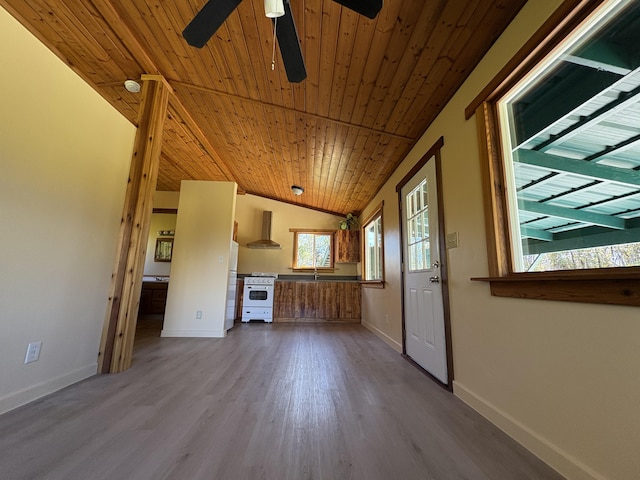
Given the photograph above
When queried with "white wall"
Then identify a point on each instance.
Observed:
(163, 199)
(382, 309)
(562, 378)
(200, 260)
(64, 161)
(248, 214)
(249, 210)
(159, 221)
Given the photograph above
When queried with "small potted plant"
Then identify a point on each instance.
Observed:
(349, 220)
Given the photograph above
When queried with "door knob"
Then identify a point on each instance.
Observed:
(435, 279)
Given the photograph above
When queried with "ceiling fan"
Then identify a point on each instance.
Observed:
(215, 12)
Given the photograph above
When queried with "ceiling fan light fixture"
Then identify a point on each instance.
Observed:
(297, 190)
(273, 8)
(132, 86)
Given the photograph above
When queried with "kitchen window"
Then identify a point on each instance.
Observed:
(563, 160)
(373, 248)
(313, 249)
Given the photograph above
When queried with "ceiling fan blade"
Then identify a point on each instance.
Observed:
(208, 20)
(290, 46)
(368, 8)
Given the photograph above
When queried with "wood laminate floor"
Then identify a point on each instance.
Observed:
(267, 402)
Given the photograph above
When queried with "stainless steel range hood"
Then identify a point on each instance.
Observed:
(265, 241)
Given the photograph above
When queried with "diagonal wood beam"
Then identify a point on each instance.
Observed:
(138, 52)
(290, 110)
(118, 24)
(197, 132)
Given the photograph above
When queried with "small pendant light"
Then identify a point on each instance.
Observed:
(273, 8)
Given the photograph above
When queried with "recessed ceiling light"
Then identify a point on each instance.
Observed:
(297, 190)
(132, 86)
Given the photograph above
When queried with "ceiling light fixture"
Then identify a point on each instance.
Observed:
(297, 190)
(132, 86)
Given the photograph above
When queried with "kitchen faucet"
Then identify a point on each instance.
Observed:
(315, 273)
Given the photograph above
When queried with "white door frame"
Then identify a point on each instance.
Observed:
(432, 153)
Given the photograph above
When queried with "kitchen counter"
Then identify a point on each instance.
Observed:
(155, 279)
(320, 278)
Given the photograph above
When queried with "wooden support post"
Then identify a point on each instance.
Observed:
(126, 281)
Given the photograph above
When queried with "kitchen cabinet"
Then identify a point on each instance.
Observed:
(153, 297)
(307, 301)
(347, 246)
(284, 300)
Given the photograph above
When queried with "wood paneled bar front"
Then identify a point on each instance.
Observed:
(317, 301)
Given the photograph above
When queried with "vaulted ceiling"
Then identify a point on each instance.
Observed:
(373, 86)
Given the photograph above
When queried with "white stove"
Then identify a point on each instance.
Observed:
(257, 299)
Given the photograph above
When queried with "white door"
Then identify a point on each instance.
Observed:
(423, 301)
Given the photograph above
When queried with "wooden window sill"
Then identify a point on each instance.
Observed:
(372, 283)
(611, 288)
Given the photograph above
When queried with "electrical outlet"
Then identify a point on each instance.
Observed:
(199, 314)
(33, 352)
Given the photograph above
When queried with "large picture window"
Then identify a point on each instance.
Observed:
(373, 247)
(563, 144)
(313, 250)
(571, 147)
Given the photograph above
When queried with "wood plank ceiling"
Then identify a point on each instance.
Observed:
(373, 86)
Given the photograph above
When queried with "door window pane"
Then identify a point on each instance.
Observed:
(418, 226)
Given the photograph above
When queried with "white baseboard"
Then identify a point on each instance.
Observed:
(386, 338)
(194, 333)
(29, 394)
(549, 453)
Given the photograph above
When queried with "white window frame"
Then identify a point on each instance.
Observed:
(377, 254)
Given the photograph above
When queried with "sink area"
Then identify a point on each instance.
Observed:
(153, 278)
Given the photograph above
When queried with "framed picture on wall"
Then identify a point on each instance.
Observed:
(164, 247)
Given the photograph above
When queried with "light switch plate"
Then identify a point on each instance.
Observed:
(452, 240)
